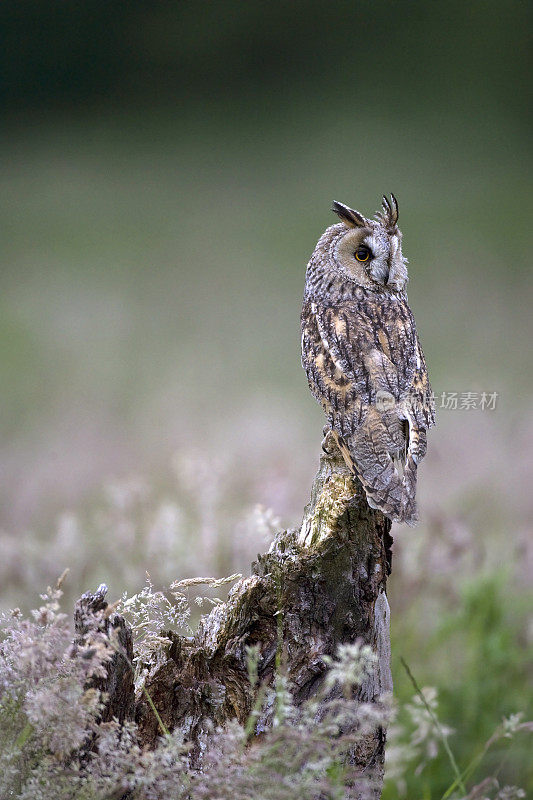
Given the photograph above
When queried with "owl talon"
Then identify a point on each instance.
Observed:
(328, 444)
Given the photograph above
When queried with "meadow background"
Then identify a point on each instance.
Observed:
(167, 169)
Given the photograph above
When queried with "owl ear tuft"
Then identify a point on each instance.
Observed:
(389, 215)
(350, 217)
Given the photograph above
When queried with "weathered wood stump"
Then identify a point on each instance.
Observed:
(91, 616)
(317, 587)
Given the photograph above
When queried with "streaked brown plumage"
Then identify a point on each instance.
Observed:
(362, 356)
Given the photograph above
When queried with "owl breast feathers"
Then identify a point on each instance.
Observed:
(362, 356)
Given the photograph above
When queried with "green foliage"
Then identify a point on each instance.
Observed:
(478, 656)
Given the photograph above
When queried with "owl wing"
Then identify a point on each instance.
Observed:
(361, 360)
(421, 395)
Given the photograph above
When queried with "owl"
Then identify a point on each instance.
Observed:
(362, 356)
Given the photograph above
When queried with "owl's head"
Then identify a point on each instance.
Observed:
(369, 251)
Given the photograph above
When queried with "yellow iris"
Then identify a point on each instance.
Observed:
(362, 254)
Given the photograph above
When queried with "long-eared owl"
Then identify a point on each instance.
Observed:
(362, 356)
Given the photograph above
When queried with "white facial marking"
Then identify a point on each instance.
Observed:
(375, 244)
(378, 244)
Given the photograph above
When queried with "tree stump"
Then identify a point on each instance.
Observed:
(317, 587)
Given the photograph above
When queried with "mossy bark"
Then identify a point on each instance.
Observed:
(317, 587)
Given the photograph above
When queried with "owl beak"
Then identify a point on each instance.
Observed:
(391, 271)
(388, 275)
(391, 275)
(392, 281)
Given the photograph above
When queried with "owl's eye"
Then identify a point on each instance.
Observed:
(362, 253)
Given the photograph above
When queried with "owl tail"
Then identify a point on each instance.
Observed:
(409, 507)
(385, 489)
(415, 452)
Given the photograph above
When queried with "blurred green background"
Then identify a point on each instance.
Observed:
(167, 170)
